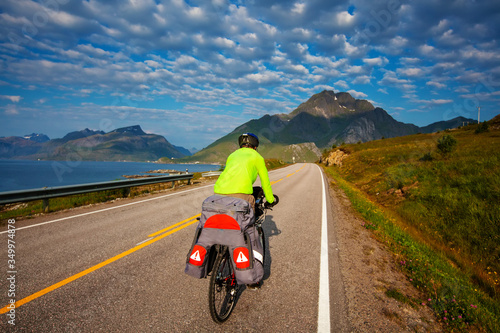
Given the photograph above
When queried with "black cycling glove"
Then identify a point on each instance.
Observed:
(275, 202)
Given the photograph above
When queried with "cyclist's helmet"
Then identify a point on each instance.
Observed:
(248, 139)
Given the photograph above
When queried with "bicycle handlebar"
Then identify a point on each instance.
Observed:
(259, 196)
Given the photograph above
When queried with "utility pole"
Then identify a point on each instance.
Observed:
(478, 113)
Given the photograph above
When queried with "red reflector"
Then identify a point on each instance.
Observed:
(241, 257)
(221, 221)
(197, 255)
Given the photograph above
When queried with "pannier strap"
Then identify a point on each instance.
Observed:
(195, 240)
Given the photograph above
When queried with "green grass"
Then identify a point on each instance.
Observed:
(33, 208)
(458, 303)
(273, 163)
(400, 297)
(440, 215)
(36, 207)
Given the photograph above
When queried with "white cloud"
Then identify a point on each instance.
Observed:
(357, 94)
(449, 38)
(434, 102)
(427, 50)
(441, 101)
(195, 13)
(65, 20)
(462, 90)
(153, 64)
(479, 55)
(361, 79)
(391, 79)
(344, 19)
(13, 99)
(354, 70)
(341, 84)
(224, 42)
(436, 84)
(410, 72)
(408, 60)
(442, 26)
(222, 53)
(264, 78)
(298, 8)
(11, 110)
(379, 61)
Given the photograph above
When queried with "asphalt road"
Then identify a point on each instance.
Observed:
(118, 268)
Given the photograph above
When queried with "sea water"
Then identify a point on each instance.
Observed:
(23, 174)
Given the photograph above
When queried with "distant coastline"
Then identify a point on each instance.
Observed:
(18, 175)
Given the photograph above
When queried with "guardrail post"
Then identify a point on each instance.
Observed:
(45, 205)
(126, 192)
(173, 184)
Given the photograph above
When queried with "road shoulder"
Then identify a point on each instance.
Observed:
(369, 273)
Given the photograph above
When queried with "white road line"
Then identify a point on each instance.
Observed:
(324, 284)
(106, 209)
(144, 241)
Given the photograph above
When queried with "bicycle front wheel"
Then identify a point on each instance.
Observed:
(260, 232)
(223, 288)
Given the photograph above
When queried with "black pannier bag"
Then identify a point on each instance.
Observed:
(227, 221)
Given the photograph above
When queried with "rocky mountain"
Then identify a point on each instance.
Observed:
(183, 150)
(452, 123)
(123, 144)
(327, 118)
(16, 146)
(80, 134)
(37, 137)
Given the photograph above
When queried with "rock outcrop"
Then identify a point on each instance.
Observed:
(334, 158)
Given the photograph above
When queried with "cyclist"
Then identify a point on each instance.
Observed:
(242, 168)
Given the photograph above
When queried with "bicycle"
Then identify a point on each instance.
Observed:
(224, 288)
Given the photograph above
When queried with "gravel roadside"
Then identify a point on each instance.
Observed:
(368, 271)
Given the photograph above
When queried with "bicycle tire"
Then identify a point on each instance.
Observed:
(223, 288)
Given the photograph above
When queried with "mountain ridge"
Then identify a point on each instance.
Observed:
(325, 119)
(129, 143)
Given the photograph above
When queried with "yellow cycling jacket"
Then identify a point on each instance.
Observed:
(242, 168)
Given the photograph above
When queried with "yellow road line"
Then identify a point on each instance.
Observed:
(175, 225)
(91, 269)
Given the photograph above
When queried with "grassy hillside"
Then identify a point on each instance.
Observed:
(445, 202)
(219, 151)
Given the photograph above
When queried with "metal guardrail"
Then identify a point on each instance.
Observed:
(52, 192)
(211, 173)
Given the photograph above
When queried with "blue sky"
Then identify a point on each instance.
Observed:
(194, 70)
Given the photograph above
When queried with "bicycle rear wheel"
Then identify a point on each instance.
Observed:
(223, 288)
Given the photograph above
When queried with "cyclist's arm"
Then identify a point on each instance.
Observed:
(264, 180)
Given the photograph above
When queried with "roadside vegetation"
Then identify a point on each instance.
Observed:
(434, 199)
(274, 163)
